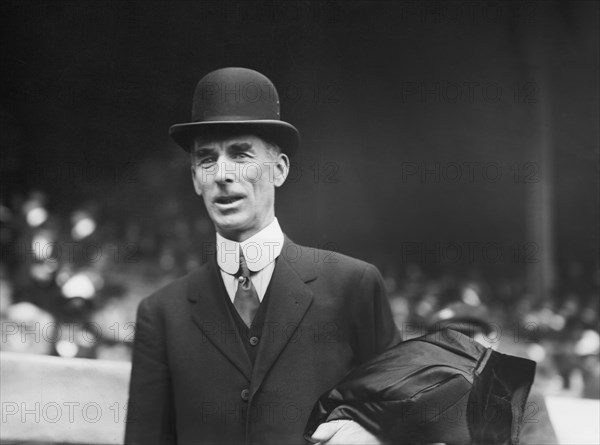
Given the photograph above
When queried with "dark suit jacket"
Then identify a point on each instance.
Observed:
(192, 380)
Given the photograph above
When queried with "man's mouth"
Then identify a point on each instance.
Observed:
(224, 200)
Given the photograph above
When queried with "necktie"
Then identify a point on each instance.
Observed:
(246, 299)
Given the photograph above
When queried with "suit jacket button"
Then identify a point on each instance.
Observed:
(253, 341)
(245, 395)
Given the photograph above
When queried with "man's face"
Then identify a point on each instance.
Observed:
(237, 177)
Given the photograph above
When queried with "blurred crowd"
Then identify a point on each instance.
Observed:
(70, 285)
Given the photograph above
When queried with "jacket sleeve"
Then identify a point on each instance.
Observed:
(375, 330)
(150, 413)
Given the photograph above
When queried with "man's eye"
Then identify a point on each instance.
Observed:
(205, 161)
(240, 155)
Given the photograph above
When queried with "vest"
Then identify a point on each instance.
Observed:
(250, 336)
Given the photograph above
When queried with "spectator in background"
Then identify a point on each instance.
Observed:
(27, 328)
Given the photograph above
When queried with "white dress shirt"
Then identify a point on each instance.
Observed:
(260, 252)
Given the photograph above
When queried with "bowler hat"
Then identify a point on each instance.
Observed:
(234, 101)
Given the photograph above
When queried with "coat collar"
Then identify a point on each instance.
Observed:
(290, 298)
(212, 316)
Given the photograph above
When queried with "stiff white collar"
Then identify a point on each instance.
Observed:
(259, 250)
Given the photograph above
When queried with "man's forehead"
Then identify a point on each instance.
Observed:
(208, 142)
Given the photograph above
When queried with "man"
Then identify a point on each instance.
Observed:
(239, 350)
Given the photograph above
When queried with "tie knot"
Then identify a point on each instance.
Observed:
(243, 271)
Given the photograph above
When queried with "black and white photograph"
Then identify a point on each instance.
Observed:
(300, 222)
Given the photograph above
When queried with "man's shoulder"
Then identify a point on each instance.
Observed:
(175, 290)
(326, 260)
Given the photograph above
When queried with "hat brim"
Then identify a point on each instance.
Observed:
(285, 135)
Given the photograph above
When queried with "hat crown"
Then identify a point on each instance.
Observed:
(235, 94)
(232, 101)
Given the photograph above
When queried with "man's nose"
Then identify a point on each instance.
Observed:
(226, 171)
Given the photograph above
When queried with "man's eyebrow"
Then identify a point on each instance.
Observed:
(240, 147)
(203, 151)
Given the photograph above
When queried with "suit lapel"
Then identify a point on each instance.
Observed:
(290, 298)
(211, 314)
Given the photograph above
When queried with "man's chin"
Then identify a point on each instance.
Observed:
(231, 227)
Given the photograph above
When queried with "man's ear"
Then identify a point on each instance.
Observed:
(196, 181)
(282, 169)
